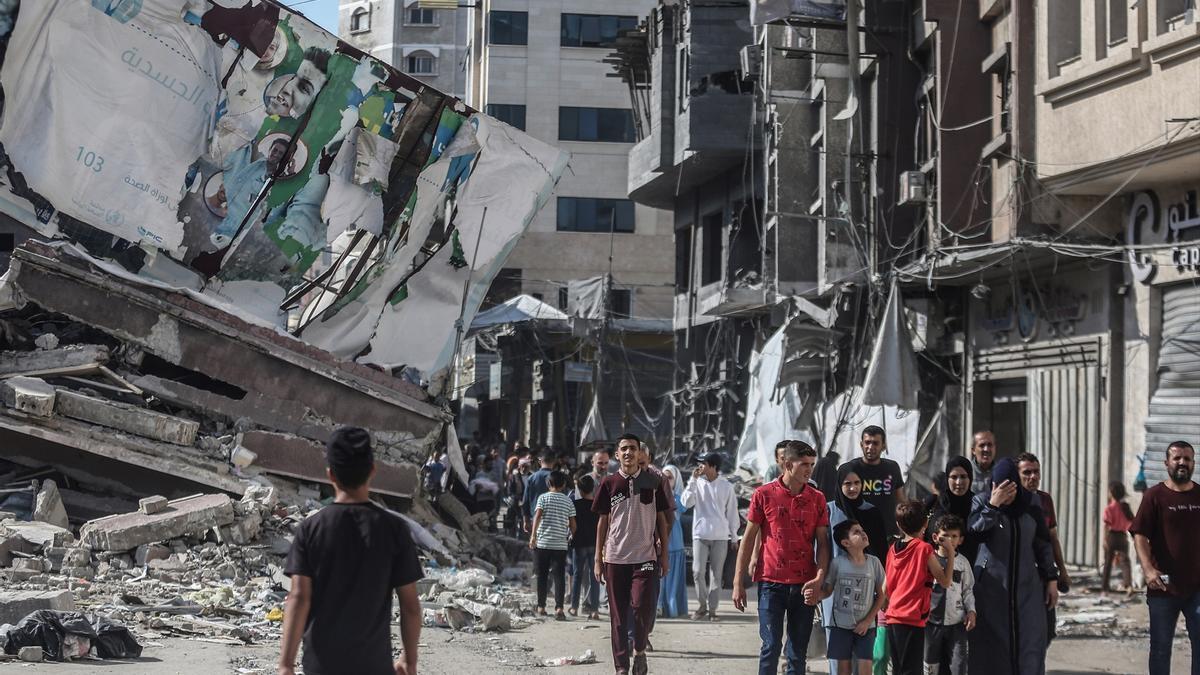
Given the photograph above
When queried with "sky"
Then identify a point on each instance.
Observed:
(322, 12)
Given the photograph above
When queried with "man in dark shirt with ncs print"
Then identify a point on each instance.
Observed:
(345, 562)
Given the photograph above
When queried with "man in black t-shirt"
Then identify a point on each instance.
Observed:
(882, 482)
(344, 564)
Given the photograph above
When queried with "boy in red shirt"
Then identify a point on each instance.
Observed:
(1117, 519)
(912, 567)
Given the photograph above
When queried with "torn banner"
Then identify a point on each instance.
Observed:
(147, 123)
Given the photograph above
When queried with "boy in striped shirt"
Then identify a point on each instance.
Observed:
(553, 526)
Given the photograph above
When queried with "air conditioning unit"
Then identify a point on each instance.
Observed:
(751, 61)
(913, 189)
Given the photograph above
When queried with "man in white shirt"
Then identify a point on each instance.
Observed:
(715, 524)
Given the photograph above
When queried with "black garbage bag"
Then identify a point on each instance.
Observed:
(113, 640)
(47, 629)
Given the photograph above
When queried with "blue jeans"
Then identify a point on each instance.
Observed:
(1164, 615)
(777, 602)
(584, 579)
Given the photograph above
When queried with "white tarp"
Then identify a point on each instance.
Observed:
(892, 378)
(847, 415)
(771, 412)
(71, 73)
(517, 310)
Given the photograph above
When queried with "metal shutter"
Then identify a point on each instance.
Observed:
(1064, 431)
(1175, 406)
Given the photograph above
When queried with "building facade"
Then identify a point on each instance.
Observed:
(541, 68)
(429, 44)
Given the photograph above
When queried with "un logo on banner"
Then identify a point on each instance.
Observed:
(121, 10)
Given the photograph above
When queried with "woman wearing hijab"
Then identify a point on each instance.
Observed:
(954, 496)
(849, 504)
(672, 594)
(1015, 578)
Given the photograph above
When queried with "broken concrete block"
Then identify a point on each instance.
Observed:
(40, 535)
(243, 531)
(36, 565)
(76, 357)
(15, 574)
(190, 515)
(152, 505)
(32, 654)
(77, 557)
(28, 395)
(49, 506)
(132, 419)
(46, 341)
(16, 605)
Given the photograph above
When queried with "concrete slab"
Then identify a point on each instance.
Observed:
(288, 455)
(16, 605)
(134, 420)
(127, 531)
(49, 507)
(17, 363)
(29, 395)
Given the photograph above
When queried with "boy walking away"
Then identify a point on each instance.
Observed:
(855, 581)
(344, 564)
(1118, 517)
(584, 585)
(911, 567)
(553, 525)
(952, 610)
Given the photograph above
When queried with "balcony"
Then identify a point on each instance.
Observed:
(713, 134)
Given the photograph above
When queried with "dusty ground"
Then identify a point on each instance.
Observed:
(683, 647)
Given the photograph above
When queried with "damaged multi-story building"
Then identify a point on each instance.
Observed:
(975, 160)
(279, 237)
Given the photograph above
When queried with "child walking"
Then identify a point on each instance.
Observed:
(553, 524)
(952, 610)
(1118, 518)
(584, 585)
(911, 566)
(855, 581)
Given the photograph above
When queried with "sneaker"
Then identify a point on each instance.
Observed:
(639, 664)
(699, 615)
(712, 616)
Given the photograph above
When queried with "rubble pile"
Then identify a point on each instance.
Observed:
(211, 568)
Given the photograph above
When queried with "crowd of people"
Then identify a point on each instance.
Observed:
(966, 580)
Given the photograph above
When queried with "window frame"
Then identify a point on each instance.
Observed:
(571, 211)
(408, 15)
(494, 108)
(575, 123)
(356, 16)
(601, 41)
(420, 54)
(491, 27)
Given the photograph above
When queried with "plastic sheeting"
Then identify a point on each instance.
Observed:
(778, 409)
(765, 11)
(517, 310)
(240, 141)
(586, 297)
(771, 412)
(892, 378)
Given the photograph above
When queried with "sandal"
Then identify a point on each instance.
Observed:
(541, 611)
(573, 612)
(559, 616)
